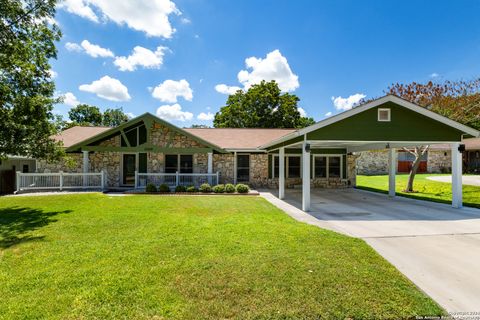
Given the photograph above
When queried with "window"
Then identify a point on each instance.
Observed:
(183, 163)
(383, 115)
(334, 167)
(243, 167)
(135, 136)
(171, 163)
(293, 167)
(320, 167)
(186, 163)
(25, 168)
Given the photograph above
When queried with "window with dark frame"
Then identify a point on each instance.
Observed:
(25, 168)
(186, 163)
(243, 167)
(171, 163)
(334, 167)
(321, 167)
(294, 167)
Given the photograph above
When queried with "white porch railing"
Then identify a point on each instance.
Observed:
(60, 180)
(175, 179)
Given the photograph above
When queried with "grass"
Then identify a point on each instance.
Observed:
(94, 256)
(424, 189)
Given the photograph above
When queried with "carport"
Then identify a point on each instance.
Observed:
(385, 123)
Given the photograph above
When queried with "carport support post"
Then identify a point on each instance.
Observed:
(210, 167)
(305, 177)
(456, 176)
(281, 173)
(392, 170)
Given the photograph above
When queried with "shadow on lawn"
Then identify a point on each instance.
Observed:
(16, 222)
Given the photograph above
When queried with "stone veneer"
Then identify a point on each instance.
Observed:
(439, 161)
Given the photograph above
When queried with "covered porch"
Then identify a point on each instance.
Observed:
(386, 123)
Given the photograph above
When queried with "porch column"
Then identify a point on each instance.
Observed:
(392, 170)
(456, 176)
(210, 167)
(85, 167)
(305, 177)
(281, 173)
(235, 167)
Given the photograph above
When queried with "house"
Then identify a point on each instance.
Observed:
(9, 166)
(324, 152)
(436, 160)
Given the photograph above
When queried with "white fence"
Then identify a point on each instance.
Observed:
(175, 179)
(60, 180)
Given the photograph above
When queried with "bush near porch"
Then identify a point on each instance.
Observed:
(425, 189)
(97, 256)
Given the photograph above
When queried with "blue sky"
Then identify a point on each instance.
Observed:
(329, 53)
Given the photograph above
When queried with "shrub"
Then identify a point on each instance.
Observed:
(164, 188)
(242, 188)
(219, 188)
(150, 188)
(192, 189)
(180, 189)
(205, 188)
(229, 188)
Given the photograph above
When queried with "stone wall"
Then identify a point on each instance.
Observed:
(165, 137)
(73, 162)
(224, 164)
(439, 161)
(372, 162)
(352, 169)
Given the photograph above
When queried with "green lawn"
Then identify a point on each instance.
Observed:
(424, 189)
(94, 256)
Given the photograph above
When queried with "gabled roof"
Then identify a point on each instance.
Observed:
(74, 135)
(239, 138)
(147, 118)
(372, 104)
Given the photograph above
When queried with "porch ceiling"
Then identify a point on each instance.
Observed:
(357, 146)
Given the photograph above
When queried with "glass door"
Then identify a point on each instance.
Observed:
(129, 166)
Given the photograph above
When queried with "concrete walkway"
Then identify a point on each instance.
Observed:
(466, 180)
(434, 245)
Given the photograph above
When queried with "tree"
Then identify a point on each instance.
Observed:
(114, 117)
(85, 115)
(457, 100)
(27, 42)
(261, 106)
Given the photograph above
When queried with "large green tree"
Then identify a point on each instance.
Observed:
(114, 117)
(85, 115)
(263, 105)
(27, 43)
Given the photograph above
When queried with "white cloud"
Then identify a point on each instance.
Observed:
(170, 90)
(434, 75)
(150, 16)
(205, 116)
(94, 50)
(302, 111)
(185, 21)
(70, 100)
(141, 57)
(273, 67)
(223, 88)
(328, 114)
(347, 103)
(173, 112)
(80, 8)
(107, 88)
(130, 115)
(71, 46)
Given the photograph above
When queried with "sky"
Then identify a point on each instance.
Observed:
(179, 59)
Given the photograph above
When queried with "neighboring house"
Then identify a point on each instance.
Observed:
(9, 166)
(323, 152)
(436, 160)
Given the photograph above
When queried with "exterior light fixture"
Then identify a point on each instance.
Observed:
(307, 147)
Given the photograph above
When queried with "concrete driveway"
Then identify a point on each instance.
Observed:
(434, 245)
(471, 180)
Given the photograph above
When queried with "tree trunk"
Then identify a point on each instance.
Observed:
(418, 153)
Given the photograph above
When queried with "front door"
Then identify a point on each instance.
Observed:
(129, 167)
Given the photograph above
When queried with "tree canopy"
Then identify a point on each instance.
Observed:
(263, 105)
(27, 43)
(457, 100)
(87, 115)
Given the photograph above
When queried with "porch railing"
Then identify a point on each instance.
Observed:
(175, 179)
(60, 180)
